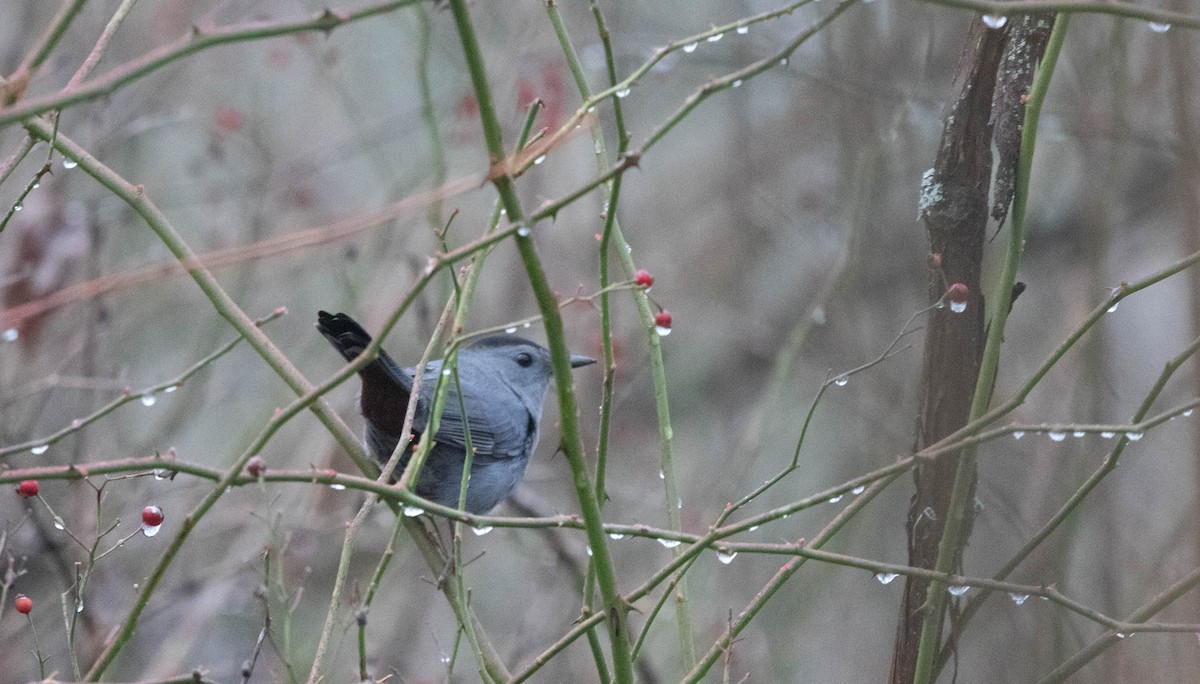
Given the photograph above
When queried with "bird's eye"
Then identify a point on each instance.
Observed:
(524, 360)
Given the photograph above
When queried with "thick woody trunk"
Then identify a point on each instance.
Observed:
(991, 86)
(954, 209)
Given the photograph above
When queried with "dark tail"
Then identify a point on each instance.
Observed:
(344, 333)
(386, 387)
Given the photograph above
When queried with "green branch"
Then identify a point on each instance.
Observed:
(1114, 8)
(615, 606)
(200, 39)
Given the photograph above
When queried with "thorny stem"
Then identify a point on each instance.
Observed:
(309, 395)
(125, 398)
(631, 158)
(615, 606)
(459, 306)
(1076, 499)
(613, 237)
(200, 39)
(42, 48)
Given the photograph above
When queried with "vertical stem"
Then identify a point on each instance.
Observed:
(615, 606)
(437, 145)
(613, 237)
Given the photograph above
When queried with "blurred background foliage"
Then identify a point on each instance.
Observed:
(784, 208)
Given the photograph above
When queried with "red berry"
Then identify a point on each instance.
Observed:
(28, 488)
(152, 516)
(23, 604)
(958, 293)
(256, 467)
(643, 278)
(663, 319)
(229, 120)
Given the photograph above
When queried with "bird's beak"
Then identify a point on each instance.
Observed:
(579, 360)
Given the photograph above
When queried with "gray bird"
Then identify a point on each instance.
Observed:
(504, 381)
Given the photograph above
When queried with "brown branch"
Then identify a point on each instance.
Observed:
(954, 204)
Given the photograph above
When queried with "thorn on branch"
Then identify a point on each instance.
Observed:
(1017, 288)
(331, 19)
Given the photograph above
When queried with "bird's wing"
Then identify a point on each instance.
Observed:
(498, 427)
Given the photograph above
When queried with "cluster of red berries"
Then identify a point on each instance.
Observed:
(642, 278)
